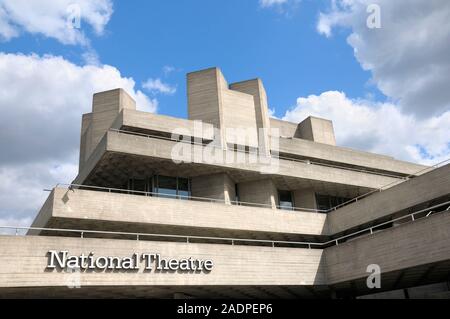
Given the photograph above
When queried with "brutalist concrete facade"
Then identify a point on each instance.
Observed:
(277, 208)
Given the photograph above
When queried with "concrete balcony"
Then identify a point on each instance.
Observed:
(349, 157)
(118, 152)
(24, 261)
(97, 210)
(423, 190)
(408, 255)
(139, 121)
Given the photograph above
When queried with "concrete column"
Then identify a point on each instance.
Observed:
(210, 100)
(106, 106)
(256, 89)
(316, 130)
(216, 186)
(305, 198)
(260, 192)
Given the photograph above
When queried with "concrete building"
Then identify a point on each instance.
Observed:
(231, 203)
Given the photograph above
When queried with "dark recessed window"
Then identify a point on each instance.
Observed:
(166, 186)
(285, 200)
(326, 202)
(137, 186)
(184, 189)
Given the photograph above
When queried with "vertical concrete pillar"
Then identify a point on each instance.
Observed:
(216, 186)
(317, 130)
(106, 106)
(259, 192)
(305, 198)
(210, 100)
(256, 89)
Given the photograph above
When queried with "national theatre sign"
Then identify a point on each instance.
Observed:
(146, 261)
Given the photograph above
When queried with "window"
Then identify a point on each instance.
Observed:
(184, 188)
(166, 186)
(285, 200)
(163, 186)
(172, 187)
(326, 202)
(138, 186)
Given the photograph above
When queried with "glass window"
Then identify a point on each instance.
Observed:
(184, 190)
(285, 199)
(172, 187)
(166, 186)
(137, 186)
(323, 202)
(326, 202)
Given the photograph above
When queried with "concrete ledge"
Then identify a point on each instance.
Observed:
(161, 123)
(409, 245)
(71, 208)
(418, 190)
(347, 156)
(23, 262)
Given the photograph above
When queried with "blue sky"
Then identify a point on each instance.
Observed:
(279, 45)
(386, 89)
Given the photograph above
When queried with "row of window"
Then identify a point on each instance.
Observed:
(162, 185)
(181, 187)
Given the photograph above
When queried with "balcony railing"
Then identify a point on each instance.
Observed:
(418, 215)
(246, 151)
(182, 197)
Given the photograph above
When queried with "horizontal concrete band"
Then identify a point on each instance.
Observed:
(97, 206)
(24, 260)
(295, 146)
(421, 189)
(161, 149)
(94, 207)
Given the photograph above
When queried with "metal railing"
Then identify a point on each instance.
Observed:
(422, 171)
(183, 197)
(355, 199)
(304, 161)
(412, 217)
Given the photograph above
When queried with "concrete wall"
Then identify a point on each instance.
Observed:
(204, 101)
(317, 130)
(23, 262)
(126, 144)
(261, 191)
(113, 100)
(305, 198)
(85, 139)
(418, 190)
(125, 210)
(422, 242)
(144, 121)
(239, 113)
(106, 106)
(211, 100)
(218, 186)
(286, 129)
(256, 89)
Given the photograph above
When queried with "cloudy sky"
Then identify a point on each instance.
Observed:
(387, 89)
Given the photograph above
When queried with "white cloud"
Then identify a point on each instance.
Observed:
(271, 3)
(408, 56)
(167, 69)
(50, 18)
(379, 127)
(42, 99)
(157, 86)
